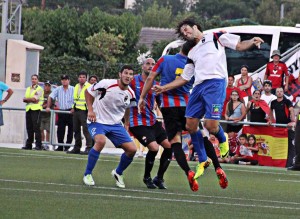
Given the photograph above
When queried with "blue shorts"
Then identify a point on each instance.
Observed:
(207, 100)
(116, 133)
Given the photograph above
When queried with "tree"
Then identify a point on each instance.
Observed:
(156, 16)
(267, 12)
(176, 6)
(226, 9)
(105, 45)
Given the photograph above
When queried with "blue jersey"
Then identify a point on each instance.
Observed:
(170, 67)
(147, 116)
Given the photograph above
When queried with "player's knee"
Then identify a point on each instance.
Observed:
(212, 128)
(191, 128)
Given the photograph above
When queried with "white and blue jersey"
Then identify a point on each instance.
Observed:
(207, 62)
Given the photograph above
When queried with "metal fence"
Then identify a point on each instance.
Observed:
(53, 141)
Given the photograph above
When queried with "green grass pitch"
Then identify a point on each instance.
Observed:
(47, 184)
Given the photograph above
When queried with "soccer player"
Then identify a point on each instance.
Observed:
(148, 130)
(173, 109)
(106, 102)
(207, 63)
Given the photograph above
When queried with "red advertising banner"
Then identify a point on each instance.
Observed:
(272, 142)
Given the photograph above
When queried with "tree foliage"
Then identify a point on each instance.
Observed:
(105, 45)
(63, 31)
(81, 5)
(152, 17)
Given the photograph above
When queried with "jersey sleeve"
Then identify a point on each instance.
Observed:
(132, 98)
(93, 89)
(188, 71)
(158, 67)
(229, 40)
(285, 70)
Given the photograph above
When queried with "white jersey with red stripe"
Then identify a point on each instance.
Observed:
(207, 60)
(111, 101)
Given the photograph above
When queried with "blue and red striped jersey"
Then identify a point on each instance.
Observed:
(170, 67)
(147, 116)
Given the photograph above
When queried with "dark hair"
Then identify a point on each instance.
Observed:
(252, 136)
(188, 21)
(245, 66)
(243, 136)
(35, 75)
(82, 72)
(231, 76)
(267, 82)
(128, 67)
(93, 76)
(187, 46)
(258, 91)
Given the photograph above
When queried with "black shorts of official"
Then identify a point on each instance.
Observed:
(174, 120)
(147, 134)
(234, 128)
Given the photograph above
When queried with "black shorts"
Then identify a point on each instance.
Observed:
(174, 120)
(148, 134)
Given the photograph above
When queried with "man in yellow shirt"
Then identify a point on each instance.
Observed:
(79, 111)
(34, 100)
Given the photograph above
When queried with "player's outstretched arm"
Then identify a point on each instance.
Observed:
(147, 86)
(180, 81)
(247, 44)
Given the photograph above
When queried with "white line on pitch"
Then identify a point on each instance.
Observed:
(287, 180)
(136, 161)
(152, 192)
(151, 198)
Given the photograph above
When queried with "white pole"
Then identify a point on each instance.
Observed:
(4, 16)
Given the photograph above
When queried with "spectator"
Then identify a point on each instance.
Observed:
(230, 87)
(244, 84)
(240, 149)
(275, 72)
(296, 164)
(267, 95)
(284, 114)
(235, 111)
(233, 140)
(80, 115)
(93, 79)
(45, 117)
(215, 143)
(34, 100)
(64, 96)
(258, 108)
(3, 88)
(294, 88)
(249, 153)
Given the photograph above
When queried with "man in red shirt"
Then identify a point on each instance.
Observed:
(275, 72)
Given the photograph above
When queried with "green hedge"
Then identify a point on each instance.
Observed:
(52, 68)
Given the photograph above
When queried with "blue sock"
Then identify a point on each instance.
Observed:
(92, 160)
(124, 163)
(198, 143)
(220, 135)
